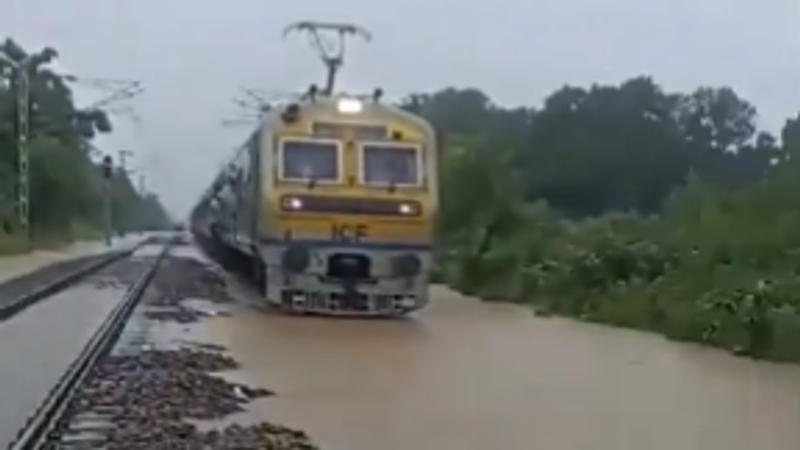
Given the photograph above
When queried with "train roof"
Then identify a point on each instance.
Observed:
(329, 108)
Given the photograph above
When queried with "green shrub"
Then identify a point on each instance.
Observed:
(717, 267)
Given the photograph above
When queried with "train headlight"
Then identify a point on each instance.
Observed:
(408, 209)
(349, 106)
(291, 203)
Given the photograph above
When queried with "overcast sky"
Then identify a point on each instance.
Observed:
(193, 55)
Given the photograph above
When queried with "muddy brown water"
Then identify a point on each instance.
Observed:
(461, 374)
(464, 374)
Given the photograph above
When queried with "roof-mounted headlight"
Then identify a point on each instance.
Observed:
(349, 106)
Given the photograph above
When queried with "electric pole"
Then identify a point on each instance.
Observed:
(23, 115)
(21, 72)
(123, 154)
(108, 169)
(20, 75)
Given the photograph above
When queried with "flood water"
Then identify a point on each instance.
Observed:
(12, 266)
(38, 345)
(464, 374)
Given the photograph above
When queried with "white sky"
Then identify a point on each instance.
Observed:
(193, 55)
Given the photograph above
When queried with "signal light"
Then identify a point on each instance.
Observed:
(107, 167)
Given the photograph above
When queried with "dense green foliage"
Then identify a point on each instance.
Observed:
(626, 205)
(66, 186)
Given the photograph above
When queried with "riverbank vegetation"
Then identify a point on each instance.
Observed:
(66, 184)
(626, 205)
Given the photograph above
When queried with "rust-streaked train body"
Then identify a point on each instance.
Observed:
(334, 198)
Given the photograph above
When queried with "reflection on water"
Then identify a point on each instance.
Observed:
(470, 375)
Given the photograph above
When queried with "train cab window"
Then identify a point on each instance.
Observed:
(309, 160)
(390, 164)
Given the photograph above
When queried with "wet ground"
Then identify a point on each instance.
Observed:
(11, 290)
(464, 374)
(150, 392)
(39, 343)
(12, 266)
(460, 374)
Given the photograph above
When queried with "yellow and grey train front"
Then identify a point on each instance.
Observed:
(349, 193)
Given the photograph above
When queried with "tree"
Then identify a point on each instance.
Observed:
(790, 135)
(52, 110)
(479, 189)
(603, 149)
(716, 119)
(718, 129)
(458, 111)
(66, 187)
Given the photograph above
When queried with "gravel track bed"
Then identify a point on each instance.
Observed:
(180, 279)
(148, 399)
(121, 273)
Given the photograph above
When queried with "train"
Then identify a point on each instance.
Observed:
(333, 200)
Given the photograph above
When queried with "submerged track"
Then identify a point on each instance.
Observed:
(15, 296)
(45, 427)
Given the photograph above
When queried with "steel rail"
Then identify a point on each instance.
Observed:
(25, 300)
(42, 428)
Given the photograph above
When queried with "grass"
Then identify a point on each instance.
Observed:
(719, 269)
(15, 243)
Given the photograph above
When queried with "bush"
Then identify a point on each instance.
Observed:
(721, 268)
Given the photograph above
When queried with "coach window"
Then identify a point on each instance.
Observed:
(303, 160)
(394, 164)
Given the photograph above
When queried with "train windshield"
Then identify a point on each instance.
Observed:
(310, 160)
(391, 164)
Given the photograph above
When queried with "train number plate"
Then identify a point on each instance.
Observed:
(348, 232)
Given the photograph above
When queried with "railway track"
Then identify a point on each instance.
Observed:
(20, 301)
(48, 427)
